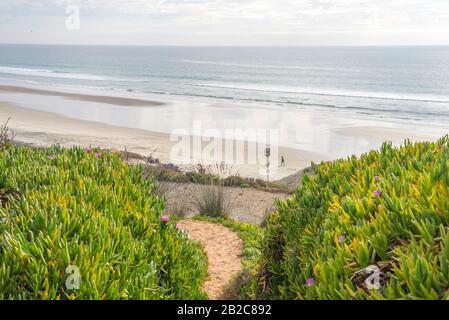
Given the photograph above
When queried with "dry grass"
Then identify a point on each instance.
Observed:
(270, 209)
(6, 135)
(214, 200)
(180, 210)
(163, 184)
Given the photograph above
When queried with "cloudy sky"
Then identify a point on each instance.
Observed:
(225, 22)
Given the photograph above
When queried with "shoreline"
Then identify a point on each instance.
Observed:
(44, 129)
(117, 101)
(105, 121)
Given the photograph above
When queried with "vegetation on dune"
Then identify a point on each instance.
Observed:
(370, 228)
(6, 136)
(213, 201)
(374, 227)
(201, 174)
(67, 210)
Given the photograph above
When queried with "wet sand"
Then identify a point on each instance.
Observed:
(44, 117)
(42, 129)
(117, 101)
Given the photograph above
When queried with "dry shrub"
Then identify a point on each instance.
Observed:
(164, 185)
(269, 210)
(214, 199)
(180, 210)
(6, 135)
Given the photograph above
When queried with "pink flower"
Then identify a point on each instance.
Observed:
(98, 155)
(377, 193)
(88, 149)
(52, 157)
(310, 282)
(376, 178)
(165, 219)
(341, 239)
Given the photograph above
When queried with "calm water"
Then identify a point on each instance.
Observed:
(407, 84)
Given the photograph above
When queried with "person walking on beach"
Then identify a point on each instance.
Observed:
(282, 161)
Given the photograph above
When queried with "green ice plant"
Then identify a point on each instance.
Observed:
(87, 209)
(387, 210)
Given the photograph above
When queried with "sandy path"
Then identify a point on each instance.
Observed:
(223, 248)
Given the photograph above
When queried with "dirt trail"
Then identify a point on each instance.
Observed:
(224, 250)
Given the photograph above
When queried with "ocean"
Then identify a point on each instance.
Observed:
(404, 84)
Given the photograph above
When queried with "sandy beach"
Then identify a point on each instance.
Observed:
(45, 128)
(118, 101)
(41, 129)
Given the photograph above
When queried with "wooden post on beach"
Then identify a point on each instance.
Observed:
(267, 154)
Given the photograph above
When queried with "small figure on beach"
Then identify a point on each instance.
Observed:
(282, 161)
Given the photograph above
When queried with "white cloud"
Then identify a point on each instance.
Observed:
(290, 20)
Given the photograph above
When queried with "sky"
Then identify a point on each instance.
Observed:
(226, 22)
